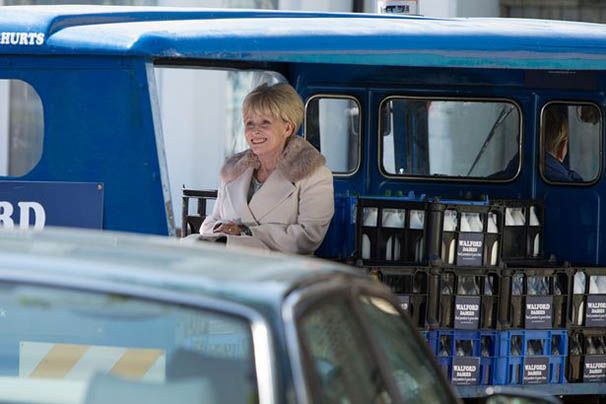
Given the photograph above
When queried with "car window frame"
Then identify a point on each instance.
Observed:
(541, 148)
(300, 301)
(454, 179)
(262, 352)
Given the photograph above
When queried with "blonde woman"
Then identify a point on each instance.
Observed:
(278, 194)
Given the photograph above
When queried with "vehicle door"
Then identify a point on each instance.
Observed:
(354, 346)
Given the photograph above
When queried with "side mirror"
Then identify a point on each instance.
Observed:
(498, 395)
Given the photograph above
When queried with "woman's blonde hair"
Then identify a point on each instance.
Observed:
(555, 128)
(280, 101)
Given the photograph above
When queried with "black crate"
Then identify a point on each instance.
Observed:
(468, 298)
(588, 302)
(586, 356)
(523, 229)
(535, 298)
(465, 234)
(391, 231)
(412, 286)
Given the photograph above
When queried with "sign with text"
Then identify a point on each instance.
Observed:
(404, 302)
(467, 312)
(595, 369)
(38, 204)
(470, 249)
(595, 316)
(465, 370)
(539, 312)
(536, 369)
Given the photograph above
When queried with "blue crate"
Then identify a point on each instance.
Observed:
(446, 346)
(516, 348)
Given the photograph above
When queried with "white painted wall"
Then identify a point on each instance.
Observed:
(478, 8)
(316, 5)
(438, 8)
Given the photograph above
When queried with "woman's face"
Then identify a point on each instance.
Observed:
(265, 134)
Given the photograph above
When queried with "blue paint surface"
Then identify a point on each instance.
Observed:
(309, 37)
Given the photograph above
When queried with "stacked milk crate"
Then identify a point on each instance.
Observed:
(472, 277)
(467, 251)
(533, 343)
(587, 327)
(391, 235)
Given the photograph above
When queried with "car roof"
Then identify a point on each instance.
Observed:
(195, 267)
(370, 39)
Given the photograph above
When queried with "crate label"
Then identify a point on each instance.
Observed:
(470, 249)
(465, 370)
(536, 370)
(595, 316)
(595, 368)
(404, 302)
(467, 312)
(539, 311)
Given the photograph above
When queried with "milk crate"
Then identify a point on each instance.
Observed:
(467, 357)
(588, 303)
(587, 356)
(523, 229)
(411, 286)
(468, 298)
(465, 233)
(391, 231)
(535, 298)
(531, 357)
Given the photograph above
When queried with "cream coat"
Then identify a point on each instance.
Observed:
(289, 213)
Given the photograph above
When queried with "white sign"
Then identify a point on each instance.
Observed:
(6, 215)
(22, 38)
(397, 6)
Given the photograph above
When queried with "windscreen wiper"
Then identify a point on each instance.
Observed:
(503, 114)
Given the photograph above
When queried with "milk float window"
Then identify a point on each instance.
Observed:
(332, 125)
(21, 128)
(450, 138)
(570, 142)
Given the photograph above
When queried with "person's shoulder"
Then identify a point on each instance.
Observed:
(556, 171)
(235, 165)
(323, 172)
(300, 160)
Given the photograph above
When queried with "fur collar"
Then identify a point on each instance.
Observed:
(299, 160)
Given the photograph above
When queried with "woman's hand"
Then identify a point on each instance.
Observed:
(231, 228)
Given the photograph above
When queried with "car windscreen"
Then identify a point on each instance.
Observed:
(74, 346)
